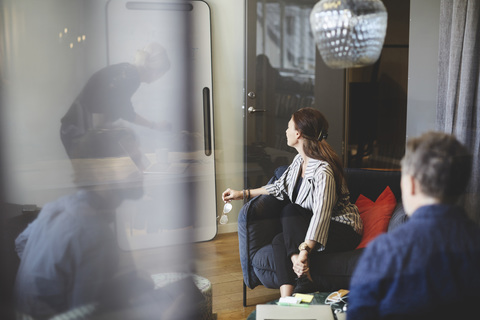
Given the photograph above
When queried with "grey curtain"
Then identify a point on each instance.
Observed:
(458, 105)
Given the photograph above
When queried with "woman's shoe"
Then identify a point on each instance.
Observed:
(304, 285)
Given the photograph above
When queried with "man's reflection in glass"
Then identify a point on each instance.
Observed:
(107, 96)
(69, 253)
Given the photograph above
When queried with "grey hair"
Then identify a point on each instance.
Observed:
(440, 163)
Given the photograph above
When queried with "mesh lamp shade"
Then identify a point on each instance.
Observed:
(349, 33)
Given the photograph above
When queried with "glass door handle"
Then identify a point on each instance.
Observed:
(253, 110)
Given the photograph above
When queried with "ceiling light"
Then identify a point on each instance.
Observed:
(349, 33)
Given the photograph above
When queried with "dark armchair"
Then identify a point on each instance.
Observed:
(258, 224)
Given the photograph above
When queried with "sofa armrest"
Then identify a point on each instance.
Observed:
(398, 218)
(258, 223)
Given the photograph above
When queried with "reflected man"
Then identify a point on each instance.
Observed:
(107, 95)
(69, 253)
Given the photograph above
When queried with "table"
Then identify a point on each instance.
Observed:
(318, 298)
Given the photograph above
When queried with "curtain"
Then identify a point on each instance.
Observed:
(458, 104)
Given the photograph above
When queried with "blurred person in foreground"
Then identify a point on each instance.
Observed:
(428, 267)
(70, 259)
(69, 253)
(107, 96)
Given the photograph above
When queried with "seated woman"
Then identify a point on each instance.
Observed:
(316, 215)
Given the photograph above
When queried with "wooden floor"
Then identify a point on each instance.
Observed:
(219, 261)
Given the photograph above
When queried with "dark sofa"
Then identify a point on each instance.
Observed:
(258, 224)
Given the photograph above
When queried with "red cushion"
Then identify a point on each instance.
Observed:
(375, 215)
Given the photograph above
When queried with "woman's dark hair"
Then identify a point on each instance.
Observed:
(313, 126)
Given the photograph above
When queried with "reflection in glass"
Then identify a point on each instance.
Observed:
(77, 61)
(107, 96)
(69, 256)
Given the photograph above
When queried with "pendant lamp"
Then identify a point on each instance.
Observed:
(349, 33)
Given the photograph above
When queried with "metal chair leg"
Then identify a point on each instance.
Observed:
(244, 294)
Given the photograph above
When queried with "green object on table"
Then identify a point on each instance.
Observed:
(318, 298)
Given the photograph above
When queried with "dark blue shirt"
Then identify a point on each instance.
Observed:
(427, 268)
(109, 92)
(68, 256)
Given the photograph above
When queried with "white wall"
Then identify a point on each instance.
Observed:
(422, 66)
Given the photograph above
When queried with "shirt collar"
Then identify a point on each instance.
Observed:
(436, 210)
(312, 166)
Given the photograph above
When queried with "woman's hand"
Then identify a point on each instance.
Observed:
(230, 194)
(301, 264)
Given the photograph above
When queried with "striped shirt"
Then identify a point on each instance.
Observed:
(318, 194)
